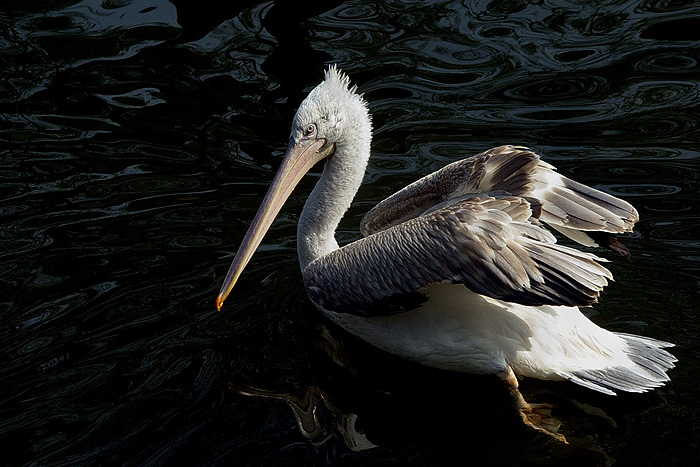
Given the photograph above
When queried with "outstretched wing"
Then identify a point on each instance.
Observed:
(484, 242)
(582, 213)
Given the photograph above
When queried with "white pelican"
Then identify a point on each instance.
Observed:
(456, 271)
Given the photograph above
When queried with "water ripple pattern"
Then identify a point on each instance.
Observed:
(138, 137)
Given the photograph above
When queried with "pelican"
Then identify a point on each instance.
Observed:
(457, 270)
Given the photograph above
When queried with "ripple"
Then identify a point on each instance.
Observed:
(666, 6)
(678, 61)
(362, 12)
(17, 241)
(577, 55)
(66, 22)
(661, 94)
(643, 190)
(566, 88)
(54, 361)
(138, 98)
(151, 185)
(227, 40)
(672, 205)
(34, 345)
(569, 114)
(685, 230)
(101, 17)
(195, 241)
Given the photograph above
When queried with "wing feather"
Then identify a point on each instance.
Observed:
(568, 206)
(473, 241)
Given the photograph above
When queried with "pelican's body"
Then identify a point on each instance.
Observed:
(460, 330)
(456, 271)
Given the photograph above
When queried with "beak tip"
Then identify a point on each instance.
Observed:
(219, 302)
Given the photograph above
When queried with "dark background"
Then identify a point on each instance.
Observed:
(138, 137)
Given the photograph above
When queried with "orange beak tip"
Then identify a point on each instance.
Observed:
(219, 303)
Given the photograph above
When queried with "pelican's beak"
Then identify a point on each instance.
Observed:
(298, 160)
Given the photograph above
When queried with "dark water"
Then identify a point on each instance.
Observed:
(138, 137)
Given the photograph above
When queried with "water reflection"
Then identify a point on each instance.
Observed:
(306, 408)
(388, 403)
(137, 138)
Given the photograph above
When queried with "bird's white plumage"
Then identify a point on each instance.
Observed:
(460, 330)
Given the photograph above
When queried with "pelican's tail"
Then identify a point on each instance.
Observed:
(645, 370)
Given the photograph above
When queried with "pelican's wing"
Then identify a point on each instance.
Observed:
(486, 243)
(570, 207)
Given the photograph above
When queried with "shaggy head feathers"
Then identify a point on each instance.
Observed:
(336, 109)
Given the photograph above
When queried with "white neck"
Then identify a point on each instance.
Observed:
(331, 198)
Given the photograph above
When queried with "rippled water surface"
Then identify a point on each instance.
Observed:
(138, 137)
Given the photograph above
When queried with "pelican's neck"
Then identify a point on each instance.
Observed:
(331, 198)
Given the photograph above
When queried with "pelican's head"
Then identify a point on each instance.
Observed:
(332, 116)
(333, 111)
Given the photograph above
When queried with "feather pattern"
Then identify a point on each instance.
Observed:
(567, 206)
(645, 370)
(482, 242)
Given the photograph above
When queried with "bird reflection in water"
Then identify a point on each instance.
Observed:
(305, 409)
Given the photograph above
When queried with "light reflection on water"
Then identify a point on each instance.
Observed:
(137, 139)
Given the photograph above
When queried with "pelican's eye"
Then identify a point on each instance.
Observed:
(310, 130)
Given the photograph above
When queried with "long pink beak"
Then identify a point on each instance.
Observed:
(298, 160)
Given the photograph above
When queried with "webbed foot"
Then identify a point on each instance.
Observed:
(536, 416)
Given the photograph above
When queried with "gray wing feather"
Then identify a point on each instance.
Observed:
(505, 169)
(473, 241)
(568, 206)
